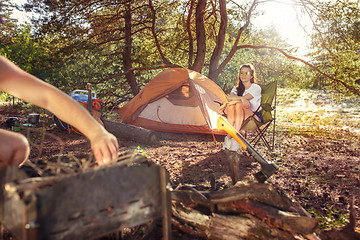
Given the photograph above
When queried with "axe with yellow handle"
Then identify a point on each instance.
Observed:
(267, 168)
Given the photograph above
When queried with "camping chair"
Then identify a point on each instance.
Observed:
(268, 112)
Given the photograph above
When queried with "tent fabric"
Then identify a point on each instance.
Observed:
(176, 100)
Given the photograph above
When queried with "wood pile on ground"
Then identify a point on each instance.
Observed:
(256, 210)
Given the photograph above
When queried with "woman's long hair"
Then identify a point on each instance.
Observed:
(240, 86)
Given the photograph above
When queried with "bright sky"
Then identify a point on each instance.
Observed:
(20, 16)
(281, 13)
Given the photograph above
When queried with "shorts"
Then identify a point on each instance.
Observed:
(259, 116)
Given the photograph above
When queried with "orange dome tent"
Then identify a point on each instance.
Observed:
(176, 100)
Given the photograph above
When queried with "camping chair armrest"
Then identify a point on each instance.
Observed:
(267, 107)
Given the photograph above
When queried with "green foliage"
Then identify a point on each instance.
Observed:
(171, 33)
(337, 42)
(270, 64)
(23, 50)
(142, 152)
(7, 25)
(74, 43)
(332, 219)
(5, 97)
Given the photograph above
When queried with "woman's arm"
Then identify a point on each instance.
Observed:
(27, 87)
(248, 96)
(234, 97)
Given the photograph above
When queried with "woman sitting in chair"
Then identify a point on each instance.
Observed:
(245, 100)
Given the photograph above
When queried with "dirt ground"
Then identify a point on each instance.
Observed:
(320, 170)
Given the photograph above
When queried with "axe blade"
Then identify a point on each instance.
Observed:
(260, 177)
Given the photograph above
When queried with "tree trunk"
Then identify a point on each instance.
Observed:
(131, 133)
(215, 58)
(200, 37)
(130, 77)
(214, 75)
(190, 36)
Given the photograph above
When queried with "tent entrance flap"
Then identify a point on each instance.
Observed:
(208, 105)
(183, 96)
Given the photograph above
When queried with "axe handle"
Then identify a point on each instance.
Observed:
(223, 124)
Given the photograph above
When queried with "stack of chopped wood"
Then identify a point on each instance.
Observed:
(245, 210)
(89, 204)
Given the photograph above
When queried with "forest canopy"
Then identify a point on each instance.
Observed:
(118, 46)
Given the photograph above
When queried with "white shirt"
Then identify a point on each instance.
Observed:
(255, 91)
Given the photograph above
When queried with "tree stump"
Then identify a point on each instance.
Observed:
(87, 205)
(234, 164)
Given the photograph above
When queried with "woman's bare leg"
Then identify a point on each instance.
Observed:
(14, 148)
(239, 116)
(241, 113)
(231, 115)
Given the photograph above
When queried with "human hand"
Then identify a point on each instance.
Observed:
(245, 103)
(105, 148)
(222, 108)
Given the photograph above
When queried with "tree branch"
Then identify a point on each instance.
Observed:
(354, 90)
(153, 30)
(234, 48)
(304, 5)
(139, 69)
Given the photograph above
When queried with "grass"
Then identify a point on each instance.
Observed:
(333, 218)
(318, 113)
(325, 115)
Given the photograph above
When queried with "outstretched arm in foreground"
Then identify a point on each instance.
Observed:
(27, 87)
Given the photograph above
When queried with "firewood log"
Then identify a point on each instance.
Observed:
(218, 226)
(243, 210)
(264, 193)
(291, 222)
(131, 133)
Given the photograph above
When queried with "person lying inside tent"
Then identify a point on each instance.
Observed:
(183, 97)
(245, 99)
(14, 147)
